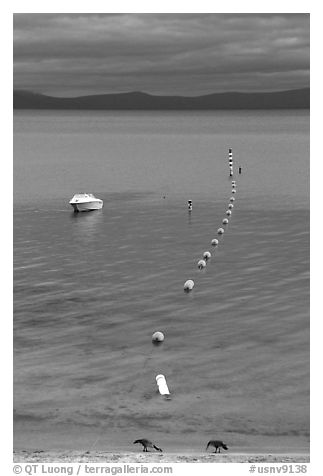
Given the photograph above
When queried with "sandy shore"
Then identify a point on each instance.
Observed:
(112, 457)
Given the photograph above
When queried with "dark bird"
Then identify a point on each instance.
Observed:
(147, 444)
(217, 445)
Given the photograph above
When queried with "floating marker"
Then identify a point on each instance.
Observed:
(189, 285)
(233, 190)
(189, 204)
(162, 385)
(220, 231)
(225, 221)
(233, 185)
(201, 264)
(230, 205)
(206, 255)
(233, 182)
(158, 337)
(232, 199)
(228, 212)
(214, 242)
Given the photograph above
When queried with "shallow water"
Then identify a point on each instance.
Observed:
(90, 289)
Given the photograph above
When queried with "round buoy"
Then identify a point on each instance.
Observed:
(232, 199)
(225, 221)
(230, 205)
(228, 212)
(214, 242)
(220, 231)
(201, 264)
(233, 185)
(189, 285)
(157, 337)
(233, 190)
(206, 255)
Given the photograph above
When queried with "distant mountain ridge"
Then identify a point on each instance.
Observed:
(290, 99)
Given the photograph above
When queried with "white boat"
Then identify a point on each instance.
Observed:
(85, 202)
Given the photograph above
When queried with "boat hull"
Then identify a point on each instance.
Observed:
(87, 206)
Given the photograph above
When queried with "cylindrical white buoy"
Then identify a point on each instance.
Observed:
(158, 337)
(220, 231)
(162, 385)
(225, 221)
(230, 205)
(214, 242)
(201, 264)
(232, 199)
(228, 212)
(206, 255)
(189, 285)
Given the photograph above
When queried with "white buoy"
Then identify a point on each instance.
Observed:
(201, 264)
(233, 185)
(206, 255)
(233, 182)
(233, 190)
(158, 337)
(230, 205)
(214, 242)
(228, 212)
(220, 231)
(189, 285)
(162, 385)
(232, 199)
(225, 221)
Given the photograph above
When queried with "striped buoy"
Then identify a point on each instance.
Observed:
(162, 385)
(201, 264)
(158, 337)
(188, 285)
(206, 255)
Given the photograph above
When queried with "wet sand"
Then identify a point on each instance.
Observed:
(113, 457)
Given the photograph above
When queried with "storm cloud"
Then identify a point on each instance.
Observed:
(186, 54)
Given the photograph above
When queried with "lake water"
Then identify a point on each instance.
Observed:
(91, 288)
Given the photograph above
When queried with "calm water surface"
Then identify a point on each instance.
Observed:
(90, 289)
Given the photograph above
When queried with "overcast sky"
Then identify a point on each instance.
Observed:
(184, 54)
